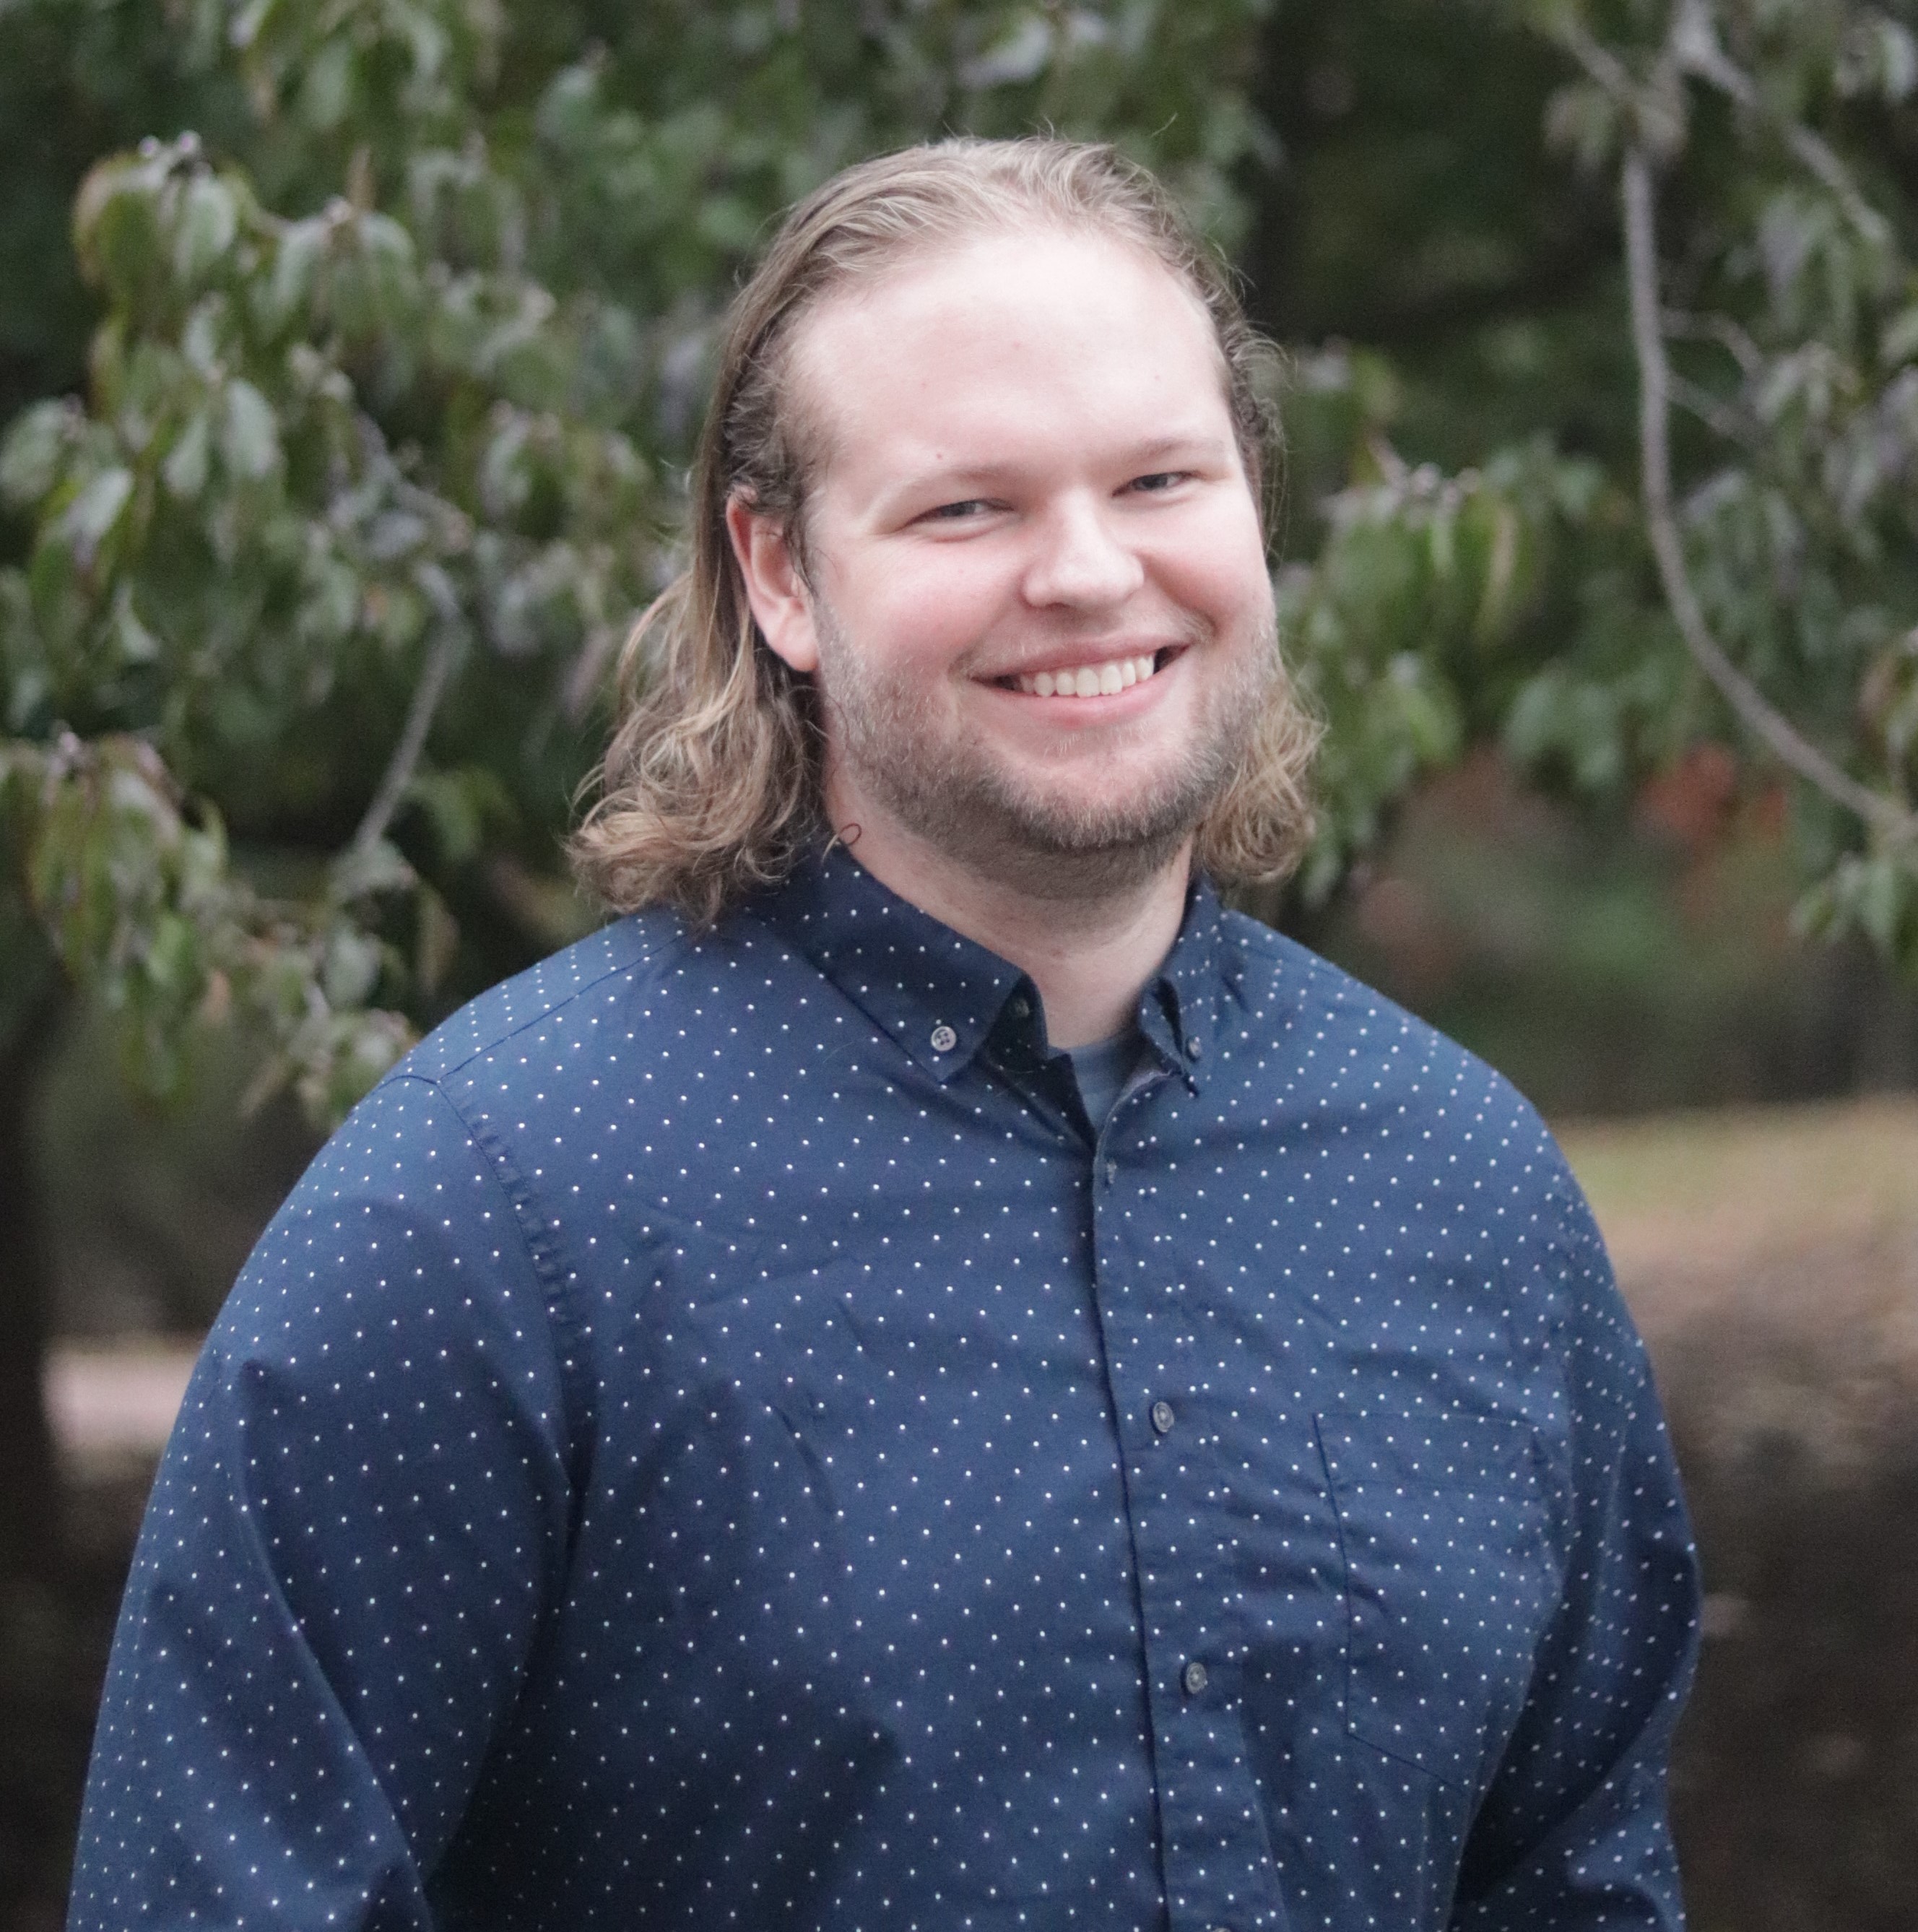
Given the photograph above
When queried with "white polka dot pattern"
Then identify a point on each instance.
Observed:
(718, 1439)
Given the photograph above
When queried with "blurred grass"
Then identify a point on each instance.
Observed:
(1770, 1257)
(1725, 1185)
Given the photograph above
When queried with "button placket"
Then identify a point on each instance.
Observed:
(1217, 1859)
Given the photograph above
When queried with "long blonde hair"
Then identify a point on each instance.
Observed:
(711, 786)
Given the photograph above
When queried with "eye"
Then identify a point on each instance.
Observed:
(1159, 481)
(959, 512)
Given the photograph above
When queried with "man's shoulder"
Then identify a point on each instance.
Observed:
(1320, 1022)
(570, 992)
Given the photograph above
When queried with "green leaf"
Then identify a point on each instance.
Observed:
(35, 450)
(173, 962)
(90, 518)
(1582, 120)
(116, 225)
(135, 643)
(207, 224)
(361, 871)
(351, 970)
(437, 943)
(1898, 342)
(299, 250)
(249, 437)
(184, 471)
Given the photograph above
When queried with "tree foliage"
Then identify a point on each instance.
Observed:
(1701, 527)
(404, 309)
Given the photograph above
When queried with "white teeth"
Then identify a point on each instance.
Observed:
(1100, 680)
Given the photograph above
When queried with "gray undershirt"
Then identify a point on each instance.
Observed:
(1102, 1068)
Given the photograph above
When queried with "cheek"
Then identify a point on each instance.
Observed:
(926, 610)
(1219, 571)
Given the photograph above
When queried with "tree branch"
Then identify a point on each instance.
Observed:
(1657, 111)
(1883, 815)
(1722, 422)
(1720, 329)
(399, 773)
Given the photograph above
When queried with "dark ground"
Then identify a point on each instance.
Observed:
(52, 1657)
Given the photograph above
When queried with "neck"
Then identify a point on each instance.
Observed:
(1089, 953)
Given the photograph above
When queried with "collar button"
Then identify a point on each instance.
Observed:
(944, 1039)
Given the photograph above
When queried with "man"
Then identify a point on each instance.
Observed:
(928, 1376)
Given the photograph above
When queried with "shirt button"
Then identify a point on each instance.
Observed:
(1021, 1008)
(1111, 1172)
(944, 1039)
(1195, 1046)
(1193, 1678)
(1162, 1417)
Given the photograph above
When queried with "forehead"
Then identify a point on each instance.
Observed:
(1007, 346)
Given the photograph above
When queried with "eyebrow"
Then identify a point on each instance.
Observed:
(1199, 445)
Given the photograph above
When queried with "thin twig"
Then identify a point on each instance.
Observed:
(1735, 342)
(1719, 418)
(399, 773)
(1694, 45)
(1765, 723)
(1657, 114)
(1816, 153)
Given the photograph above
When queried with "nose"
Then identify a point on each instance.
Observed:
(1078, 560)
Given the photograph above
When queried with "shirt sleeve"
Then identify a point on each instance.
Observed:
(1574, 1834)
(359, 1522)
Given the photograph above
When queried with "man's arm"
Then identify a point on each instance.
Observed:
(1574, 1834)
(359, 1521)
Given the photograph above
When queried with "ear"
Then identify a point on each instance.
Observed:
(781, 605)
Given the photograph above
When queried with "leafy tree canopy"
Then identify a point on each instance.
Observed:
(1617, 444)
(404, 310)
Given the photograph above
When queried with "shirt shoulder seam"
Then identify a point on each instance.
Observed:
(644, 962)
(561, 1324)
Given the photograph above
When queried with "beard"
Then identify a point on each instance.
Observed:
(950, 789)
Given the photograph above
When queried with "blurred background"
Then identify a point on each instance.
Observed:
(350, 352)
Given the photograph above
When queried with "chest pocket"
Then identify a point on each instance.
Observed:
(1449, 1580)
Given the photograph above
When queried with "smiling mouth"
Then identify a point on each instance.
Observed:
(1105, 679)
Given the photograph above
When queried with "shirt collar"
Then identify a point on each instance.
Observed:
(941, 996)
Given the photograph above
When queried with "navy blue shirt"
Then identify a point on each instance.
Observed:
(719, 1438)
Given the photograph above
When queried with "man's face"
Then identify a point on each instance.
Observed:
(1039, 609)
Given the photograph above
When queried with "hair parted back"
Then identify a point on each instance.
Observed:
(711, 784)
